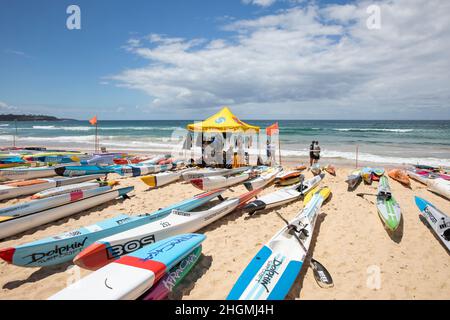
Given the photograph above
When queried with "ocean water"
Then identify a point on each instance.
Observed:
(377, 141)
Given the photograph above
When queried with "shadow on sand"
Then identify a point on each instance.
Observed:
(38, 275)
(298, 284)
(188, 283)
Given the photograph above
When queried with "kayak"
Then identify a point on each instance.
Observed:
(111, 248)
(272, 272)
(56, 154)
(55, 159)
(439, 186)
(167, 161)
(174, 277)
(289, 178)
(366, 175)
(11, 165)
(330, 169)
(315, 169)
(264, 179)
(140, 170)
(76, 171)
(424, 167)
(388, 207)
(64, 247)
(70, 188)
(133, 160)
(283, 196)
(215, 182)
(28, 208)
(291, 181)
(378, 171)
(98, 160)
(14, 226)
(418, 177)
(203, 173)
(157, 159)
(400, 176)
(444, 176)
(131, 276)
(285, 175)
(439, 221)
(28, 173)
(23, 188)
(164, 178)
(353, 179)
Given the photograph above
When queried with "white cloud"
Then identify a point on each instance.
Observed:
(307, 62)
(6, 107)
(261, 3)
(16, 53)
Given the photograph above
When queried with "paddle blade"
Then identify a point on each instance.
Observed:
(321, 274)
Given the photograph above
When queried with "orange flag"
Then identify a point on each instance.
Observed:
(273, 129)
(93, 121)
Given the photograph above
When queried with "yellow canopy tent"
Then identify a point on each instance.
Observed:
(223, 121)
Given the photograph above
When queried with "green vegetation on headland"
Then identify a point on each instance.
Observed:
(28, 117)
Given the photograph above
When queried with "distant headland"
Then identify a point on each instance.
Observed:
(28, 117)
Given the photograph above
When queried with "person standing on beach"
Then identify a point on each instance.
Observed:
(317, 153)
(311, 153)
(314, 152)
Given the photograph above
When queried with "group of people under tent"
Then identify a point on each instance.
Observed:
(220, 150)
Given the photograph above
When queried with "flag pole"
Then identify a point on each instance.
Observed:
(96, 137)
(15, 134)
(279, 146)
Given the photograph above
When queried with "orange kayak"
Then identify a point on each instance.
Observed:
(400, 176)
(330, 169)
(301, 168)
(288, 175)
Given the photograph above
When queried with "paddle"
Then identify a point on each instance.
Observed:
(385, 195)
(366, 194)
(321, 274)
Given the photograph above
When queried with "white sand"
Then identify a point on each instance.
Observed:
(350, 241)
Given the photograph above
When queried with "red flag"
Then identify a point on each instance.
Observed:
(273, 129)
(93, 121)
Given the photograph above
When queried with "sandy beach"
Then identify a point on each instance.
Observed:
(366, 262)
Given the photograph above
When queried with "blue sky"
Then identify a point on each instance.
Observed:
(270, 59)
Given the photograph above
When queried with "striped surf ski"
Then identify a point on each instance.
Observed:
(111, 248)
(388, 207)
(17, 225)
(76, 171)
(438, 220)
(30, 207)
(132, 275)
(272, 272)
(64, 247)
(174, 277)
